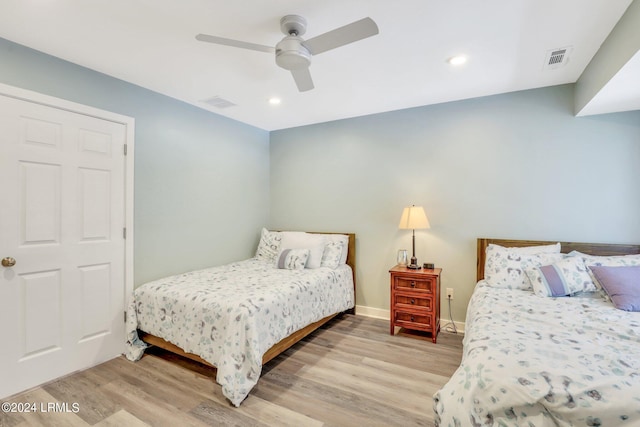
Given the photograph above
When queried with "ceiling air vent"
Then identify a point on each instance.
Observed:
(218, 102)
(557, 58)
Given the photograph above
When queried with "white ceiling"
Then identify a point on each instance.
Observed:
(151, 43)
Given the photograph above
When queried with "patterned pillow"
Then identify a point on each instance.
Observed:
(605, 261)
(526, 250)
(608, 261)
(269, 245)
(565, 277)
(293, 259)
(345, 244)
(506, 267)
(496, 255)
(332, 254)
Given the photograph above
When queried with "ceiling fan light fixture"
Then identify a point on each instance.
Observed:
(457, 60)
(291, 53)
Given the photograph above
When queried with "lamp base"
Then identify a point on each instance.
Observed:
(414, 261)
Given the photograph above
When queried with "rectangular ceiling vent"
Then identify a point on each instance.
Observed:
(557, 58)
(218, 102)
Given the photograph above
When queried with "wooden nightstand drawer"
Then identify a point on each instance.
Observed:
(411, 301)
(412, 320)
(409, 284)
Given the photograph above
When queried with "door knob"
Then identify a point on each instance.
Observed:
(8, 262)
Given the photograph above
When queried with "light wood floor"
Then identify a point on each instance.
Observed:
(349, 373)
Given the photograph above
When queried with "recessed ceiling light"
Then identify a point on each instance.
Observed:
(457, 60)
(274, 100)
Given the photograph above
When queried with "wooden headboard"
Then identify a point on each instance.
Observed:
(566, 247)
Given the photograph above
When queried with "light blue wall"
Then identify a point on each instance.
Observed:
(201, 180)
(518, 165)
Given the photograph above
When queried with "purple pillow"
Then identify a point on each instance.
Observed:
(622, 284)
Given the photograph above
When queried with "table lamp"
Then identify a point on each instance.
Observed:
(413, 218)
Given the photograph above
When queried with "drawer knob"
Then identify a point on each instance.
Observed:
(413, 284)
(413, 319)
(413, 301)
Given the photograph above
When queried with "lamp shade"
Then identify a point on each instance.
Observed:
(413, 218)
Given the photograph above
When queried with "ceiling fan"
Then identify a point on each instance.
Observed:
(293, 53)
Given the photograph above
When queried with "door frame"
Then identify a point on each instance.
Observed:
(129, 123)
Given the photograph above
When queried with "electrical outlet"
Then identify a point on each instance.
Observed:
(450, 293)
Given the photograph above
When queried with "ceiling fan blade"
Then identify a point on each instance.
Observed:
(341, 36)
(302, 76)
(234, 43)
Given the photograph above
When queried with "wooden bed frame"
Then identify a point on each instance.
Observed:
(280, 346)
(602, 249)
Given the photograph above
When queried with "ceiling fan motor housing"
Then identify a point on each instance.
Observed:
(291, 53)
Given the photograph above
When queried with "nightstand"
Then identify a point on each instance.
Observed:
(415, 300)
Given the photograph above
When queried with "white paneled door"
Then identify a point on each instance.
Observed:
(62, 215)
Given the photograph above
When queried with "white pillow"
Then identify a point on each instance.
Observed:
(301, 240)
(506, 267)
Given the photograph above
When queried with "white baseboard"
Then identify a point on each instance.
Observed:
(379, 313)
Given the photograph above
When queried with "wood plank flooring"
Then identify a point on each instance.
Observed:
(350, 372)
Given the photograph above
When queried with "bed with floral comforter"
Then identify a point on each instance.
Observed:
(232, 314)
(532, 361)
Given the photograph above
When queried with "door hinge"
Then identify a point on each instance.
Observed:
(125, 149)
(125, 317)
(124, 233)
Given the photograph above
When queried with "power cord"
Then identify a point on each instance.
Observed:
(451, 326)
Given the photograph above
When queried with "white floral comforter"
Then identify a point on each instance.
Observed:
(533, 361)
(232, 314)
